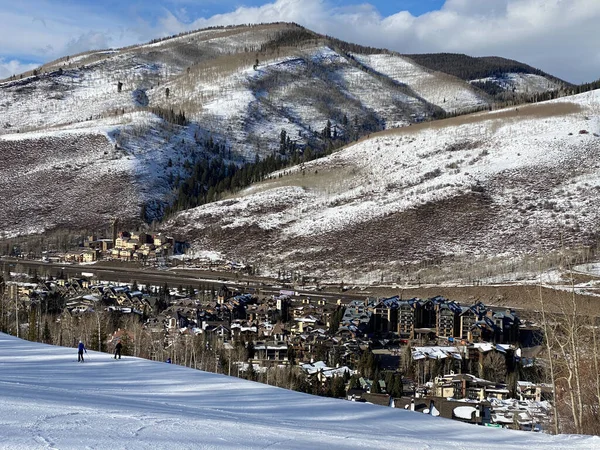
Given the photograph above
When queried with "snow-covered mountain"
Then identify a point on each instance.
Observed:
(509, 182)
(500, 77)
(104, 119)
(48, 400)
(520, 83)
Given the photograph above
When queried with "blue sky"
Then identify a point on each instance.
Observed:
(558, 36)
(385, 7)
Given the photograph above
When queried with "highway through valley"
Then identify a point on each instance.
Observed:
(173, 277)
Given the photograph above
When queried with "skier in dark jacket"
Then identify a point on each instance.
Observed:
(118, 348)
(80, 350)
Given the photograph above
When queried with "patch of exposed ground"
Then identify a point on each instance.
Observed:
(55, 182)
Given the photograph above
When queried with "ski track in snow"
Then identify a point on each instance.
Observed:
(48, 401)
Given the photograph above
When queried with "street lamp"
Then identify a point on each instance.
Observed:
(17, 309)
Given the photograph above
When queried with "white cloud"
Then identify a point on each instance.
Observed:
(14, 67)
(87, 41)
(558, 36)
(47, 31)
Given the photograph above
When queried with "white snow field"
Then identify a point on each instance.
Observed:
(445, 91)
(521, 82)
(49, 401)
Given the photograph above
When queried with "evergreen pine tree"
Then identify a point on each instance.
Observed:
(338, 387)
(46, 336)
(354, 382)
(375, 387)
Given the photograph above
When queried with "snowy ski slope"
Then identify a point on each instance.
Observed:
(48, 400)
(521, 83)
(449, 93)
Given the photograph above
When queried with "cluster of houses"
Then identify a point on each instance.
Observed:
(467, 398)
(123, 246)
(141, 246)
(431, 319)
(126, 246)
(287, 329)
(279, 330)
(82, 295)
(137, 246)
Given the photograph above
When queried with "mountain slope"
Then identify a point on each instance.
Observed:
(511, 182)
(445, 91)
(237, 86)
(499, 77)
(469, 68)
(49, 400)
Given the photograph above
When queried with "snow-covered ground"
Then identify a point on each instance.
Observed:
(449, 93)
(590, 268)
(488, 184)
(521, 83)
(48, 400)
(113, 138)
(86, 173)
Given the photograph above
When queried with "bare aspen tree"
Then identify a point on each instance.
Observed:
(99, 322)
(547, 333)
(574, 365)
(596, 366)
(575, 331)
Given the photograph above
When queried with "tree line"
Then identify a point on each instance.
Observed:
(471, 68)
(214, 177)
(169, 115)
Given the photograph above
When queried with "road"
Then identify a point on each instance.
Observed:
(174, 277)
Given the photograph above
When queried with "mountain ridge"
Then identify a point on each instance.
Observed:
(469, 67)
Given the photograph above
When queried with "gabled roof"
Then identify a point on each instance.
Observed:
(438, 299)
(467, 310)
(278, 328)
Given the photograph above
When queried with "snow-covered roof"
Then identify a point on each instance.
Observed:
(483, 346)
(435, 353)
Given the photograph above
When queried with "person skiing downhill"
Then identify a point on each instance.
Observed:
(118, 348)
(80, 350)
